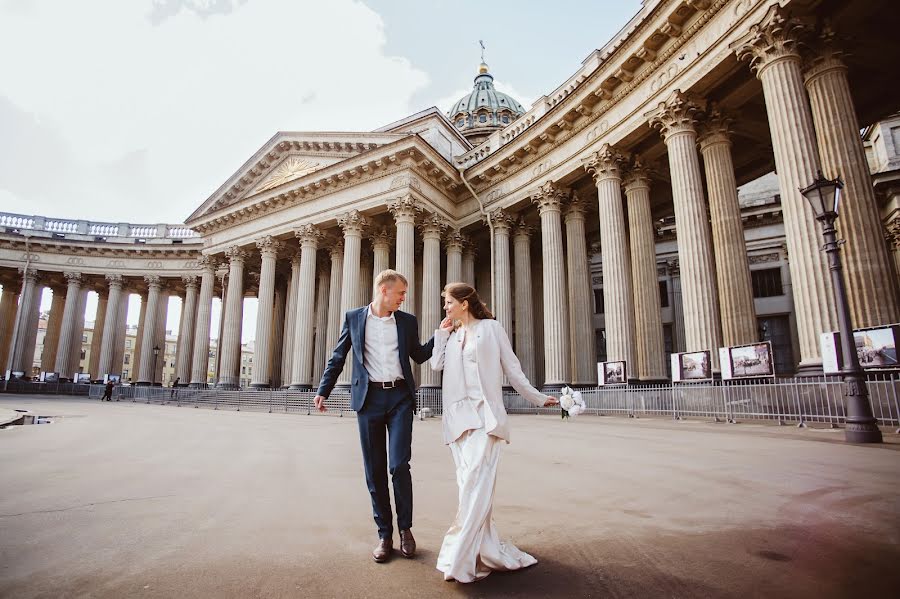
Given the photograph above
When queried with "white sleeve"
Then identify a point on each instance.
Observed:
(512, 368)
(440, 347)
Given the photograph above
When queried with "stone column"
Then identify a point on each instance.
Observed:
(51, 337)
(97, 336)
(870, 289)
(675, 119)
(162, 314)
(278, 332)
(262, 355)
(230, 343)
(301, 374)
(581, 300)
(110, 330)
(732, 267)
(118, 357)
(335, 316)
(649, 347)
(524, 321)
(322, 292)
(502, 222)
(290, 319)
(404, 211)
(549, 200)
(8, 305)
(200, 357)
(77, 346)
(470, 251)
(433, 227)
(139, 339)
(618, 296)
(150, 314)
(27, 314)
(455, 241)
(186, 330)
(674, 271)
(366, 279)
(69, 324)
(353, 224)
(381, 251)
(772, 47)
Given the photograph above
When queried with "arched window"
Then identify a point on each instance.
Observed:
(482, 118)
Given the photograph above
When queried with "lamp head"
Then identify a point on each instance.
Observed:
(823, 196)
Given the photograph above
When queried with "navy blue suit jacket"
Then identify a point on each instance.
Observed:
(353, 337)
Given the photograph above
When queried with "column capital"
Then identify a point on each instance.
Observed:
(576, 208)
(549, 197)
(336, 247)
(523, 230)
(605, 163)
(502, 220)
(470, 248)
(673, 267)
(269, 246)
(405, 209)
(381, 237)
(73, 278)
(455, 240)
(637, 176)
(433, 226)
(114, 280)
(677, 114)
(31, 274)
(892, 233)
(235, 254)
(153, 282)
(353, 222)
(207, 263)
(715, 128)
(189, 281)
(776, 36)
(824, 54)
(309, 235)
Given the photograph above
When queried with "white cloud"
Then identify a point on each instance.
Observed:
(139, 110)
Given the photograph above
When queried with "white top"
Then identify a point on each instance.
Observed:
(494, 358)
(470, 365)
(381, 356)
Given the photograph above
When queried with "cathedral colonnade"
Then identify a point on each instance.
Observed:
(610, 214)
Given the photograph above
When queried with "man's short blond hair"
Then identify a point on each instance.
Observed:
(389, 277)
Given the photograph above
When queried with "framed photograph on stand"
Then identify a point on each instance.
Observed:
(612, 373)
(754, 360)
(691, 366)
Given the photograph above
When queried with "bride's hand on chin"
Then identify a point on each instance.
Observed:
(447, 324)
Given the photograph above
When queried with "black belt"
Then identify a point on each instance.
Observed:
(386, 384)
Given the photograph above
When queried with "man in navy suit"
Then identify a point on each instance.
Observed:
(382, 392)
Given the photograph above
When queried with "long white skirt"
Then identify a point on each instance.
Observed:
(472, 548)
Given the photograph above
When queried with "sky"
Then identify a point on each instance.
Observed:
(138, 110)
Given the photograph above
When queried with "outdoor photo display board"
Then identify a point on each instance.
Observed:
(612, 373)
(691, 366)
(753, 360)
(876, 348)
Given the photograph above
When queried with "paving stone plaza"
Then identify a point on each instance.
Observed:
(135, 500)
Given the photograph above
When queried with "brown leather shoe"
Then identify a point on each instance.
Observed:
(407, 544)
(382, 551)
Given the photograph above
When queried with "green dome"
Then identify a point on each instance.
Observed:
(484, 110)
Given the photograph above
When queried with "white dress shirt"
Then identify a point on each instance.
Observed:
(381, 355)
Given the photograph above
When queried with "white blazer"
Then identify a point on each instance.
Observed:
(495, 358)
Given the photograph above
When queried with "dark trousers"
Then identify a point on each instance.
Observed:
(386, 418)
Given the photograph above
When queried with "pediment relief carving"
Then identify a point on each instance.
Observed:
(293, 167)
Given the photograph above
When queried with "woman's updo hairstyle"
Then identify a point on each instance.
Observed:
(466, 293)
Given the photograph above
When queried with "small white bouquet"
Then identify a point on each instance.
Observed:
(571, 402)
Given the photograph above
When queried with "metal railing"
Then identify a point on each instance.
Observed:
(797, 401)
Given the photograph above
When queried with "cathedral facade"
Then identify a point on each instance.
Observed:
(603, 224)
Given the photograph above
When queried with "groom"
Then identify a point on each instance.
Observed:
(382, 393)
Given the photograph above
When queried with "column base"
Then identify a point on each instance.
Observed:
(198, 385)
(550, 388)
(227, 386)
(259, 386)
(300, 388)
(143, 384)
(810, 369)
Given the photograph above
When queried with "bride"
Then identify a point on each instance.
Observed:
(475, 353)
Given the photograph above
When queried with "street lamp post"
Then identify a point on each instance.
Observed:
(155, 356)
(824, 196)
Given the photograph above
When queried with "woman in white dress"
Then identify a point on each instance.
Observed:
(474, 352)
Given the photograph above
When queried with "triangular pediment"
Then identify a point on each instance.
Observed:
(287, 158)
